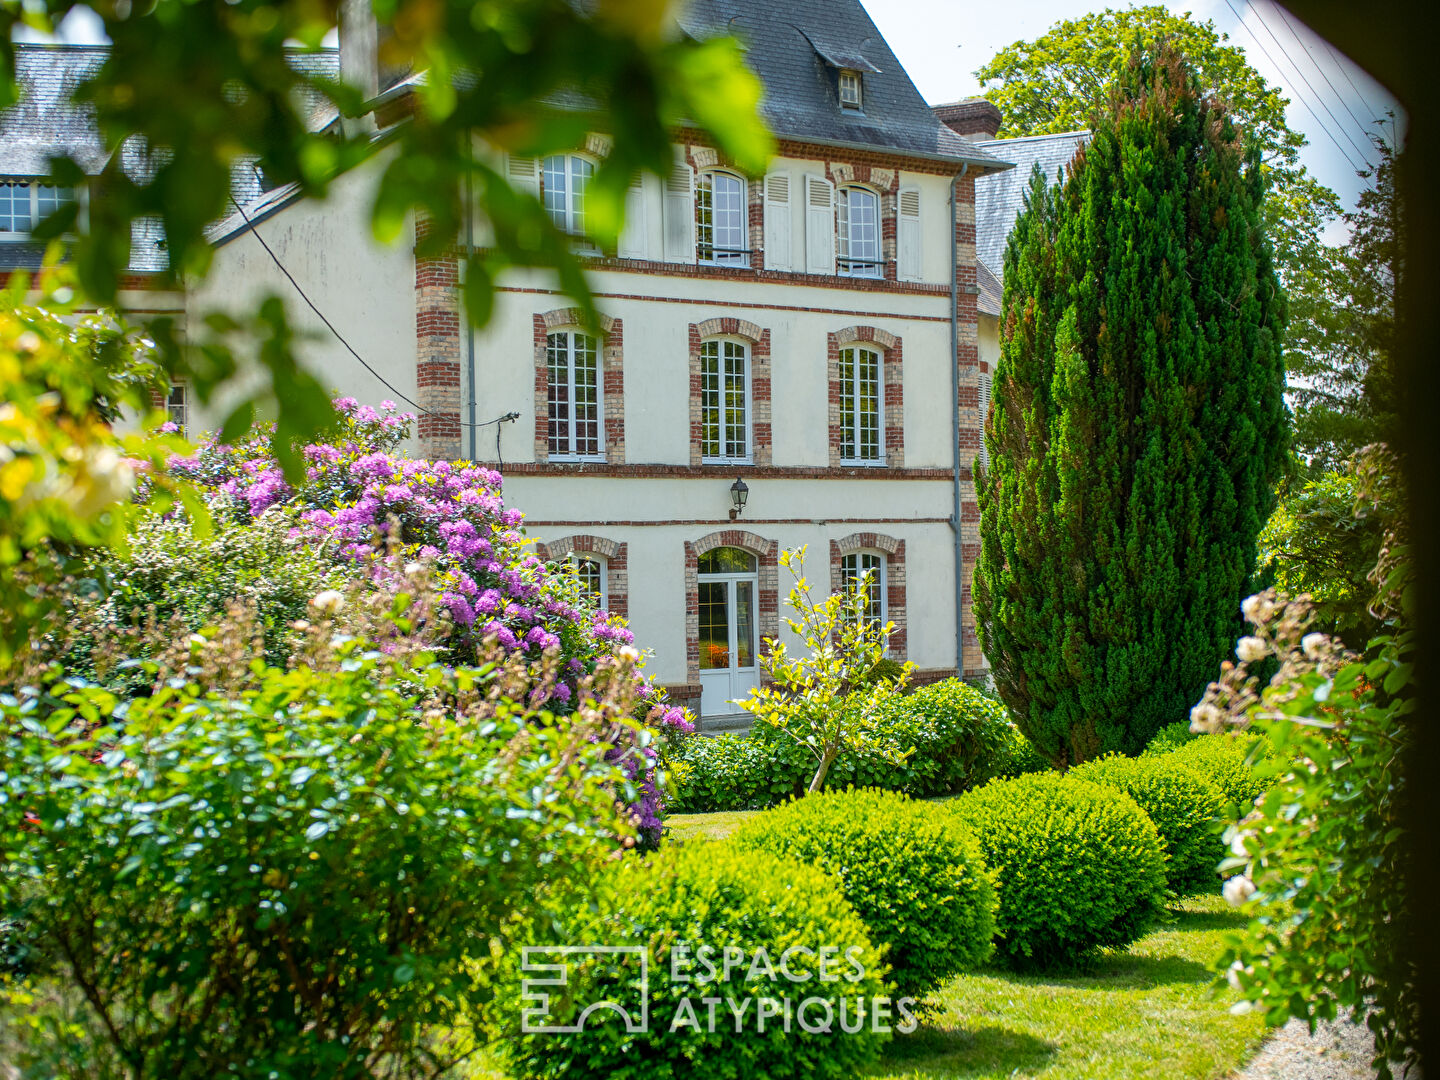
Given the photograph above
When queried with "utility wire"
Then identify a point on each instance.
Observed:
(1290, 25)
(1345, 70)
(1299, 96)
(341, 337)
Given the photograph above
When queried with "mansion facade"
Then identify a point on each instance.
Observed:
(795, 359)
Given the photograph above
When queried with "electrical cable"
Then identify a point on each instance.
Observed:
(1290, 25)
(1299, 97)
(510, 416)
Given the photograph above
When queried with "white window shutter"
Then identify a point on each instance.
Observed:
(679, 214)
(908, 235)
(633, 237)
(777, 221)
(819, 226)
(523, 173)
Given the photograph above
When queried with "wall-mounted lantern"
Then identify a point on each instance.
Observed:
(738, 494)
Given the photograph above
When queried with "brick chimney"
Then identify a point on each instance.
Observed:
(974, 118)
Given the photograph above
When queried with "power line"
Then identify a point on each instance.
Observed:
(1345, 70)
(341, 337)
(1299, 96)
(1316, 64)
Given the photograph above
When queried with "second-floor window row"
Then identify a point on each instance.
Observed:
(24, 203)
(810, 223)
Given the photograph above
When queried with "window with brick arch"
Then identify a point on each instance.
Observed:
(859, 233)
(862, 416)
(590, 571)
(725, 402)
(573, 396)
(853, 568)
(721, 219)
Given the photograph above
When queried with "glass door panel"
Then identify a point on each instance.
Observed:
(714, 625)
(744, 624)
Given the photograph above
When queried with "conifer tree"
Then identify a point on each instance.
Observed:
(1138, 426)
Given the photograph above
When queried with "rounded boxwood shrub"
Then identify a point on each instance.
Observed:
(1225, 759)
(1171, 737)
(920, 884)
(720, 896)
(1079, 865)
(1184, 805)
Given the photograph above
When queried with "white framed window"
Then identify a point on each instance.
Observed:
(853, 567)
(573, 396)
(850, 89)
(859, 233)
(592, 573)
(721, 220)
(725, 401)
(565, 177)
(177, 406)
(862, 414)
(26, 203)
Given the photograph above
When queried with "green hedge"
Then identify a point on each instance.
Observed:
(1184, 806)
(723, 897)
(1079, 865)
(1171, 737)
(961, 738)
(918, 882)
(1226, 759)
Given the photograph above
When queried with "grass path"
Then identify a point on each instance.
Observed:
(1142, 1014)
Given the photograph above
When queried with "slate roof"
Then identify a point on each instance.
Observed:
(796, 47)
(45, 122)
(999, 197)
(991, 291)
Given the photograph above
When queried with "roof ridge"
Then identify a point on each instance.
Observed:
(1076, 133)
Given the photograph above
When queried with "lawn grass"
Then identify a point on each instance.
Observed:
(1145, 1013)
(1142, 1014)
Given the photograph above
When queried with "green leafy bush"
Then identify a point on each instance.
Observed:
(1227, 759)
(295, 880)
(941, 739)
(1171, 737)
(170, 580)
(1183, 804)
(714, 895)
(1080, 866)
(917, 881)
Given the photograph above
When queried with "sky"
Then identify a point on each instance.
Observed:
(942, 42)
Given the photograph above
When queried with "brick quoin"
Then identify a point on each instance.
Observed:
(437, 349)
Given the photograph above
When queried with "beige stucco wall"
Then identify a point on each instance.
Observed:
(365, 288)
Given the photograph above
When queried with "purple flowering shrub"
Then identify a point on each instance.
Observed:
(364, 503)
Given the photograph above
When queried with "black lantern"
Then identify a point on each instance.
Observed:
(738, 494)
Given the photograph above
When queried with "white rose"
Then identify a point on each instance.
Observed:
(1313, 644)
(329, 602)
(1204, 719)
(1237, 844)
(1250, 649)
(1251, 607)
(629, 652)
(1237, 890)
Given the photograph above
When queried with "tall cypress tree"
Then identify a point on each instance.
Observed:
(1138, 426)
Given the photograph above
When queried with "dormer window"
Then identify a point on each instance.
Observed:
(850, 89)
(26, 203)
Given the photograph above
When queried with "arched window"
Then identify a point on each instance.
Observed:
(720, 219)
(862, 438)
(853, 568)
(590, 571)
(859, 233)
(573, 396)
(725, 402)
(565, 177)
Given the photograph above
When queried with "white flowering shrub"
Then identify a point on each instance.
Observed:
(1318, 860)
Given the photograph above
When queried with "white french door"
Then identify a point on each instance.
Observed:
(729, 666)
